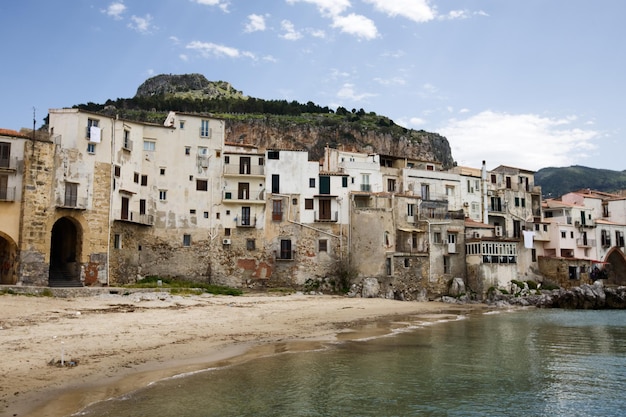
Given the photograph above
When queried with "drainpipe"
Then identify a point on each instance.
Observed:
(112, 179)
(485, 201)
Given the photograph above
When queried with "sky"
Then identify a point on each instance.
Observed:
(525, 83)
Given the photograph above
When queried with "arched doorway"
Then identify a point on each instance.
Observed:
(616, 267)
(8, 251)
(64, 254)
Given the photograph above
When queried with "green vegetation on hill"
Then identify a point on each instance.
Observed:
(555, 182)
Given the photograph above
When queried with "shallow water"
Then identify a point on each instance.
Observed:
(523, 363)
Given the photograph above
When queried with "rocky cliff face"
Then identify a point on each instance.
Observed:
(187, 85)
(314, 136)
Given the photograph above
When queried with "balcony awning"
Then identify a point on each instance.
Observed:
(410, 230)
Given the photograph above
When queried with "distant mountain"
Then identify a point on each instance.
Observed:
(555, 182)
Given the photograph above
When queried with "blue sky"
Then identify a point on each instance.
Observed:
(526, 83)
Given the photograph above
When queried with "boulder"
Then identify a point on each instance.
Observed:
(457, 287)
(371, 288)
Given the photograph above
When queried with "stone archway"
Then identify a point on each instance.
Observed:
(65, 248)
(616, 266)
(8, 259)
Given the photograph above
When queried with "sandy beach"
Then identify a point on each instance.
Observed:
(112, 344)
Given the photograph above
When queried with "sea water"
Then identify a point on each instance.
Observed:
(521, 363)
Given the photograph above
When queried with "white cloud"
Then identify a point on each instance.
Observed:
(219, 3)
(394, 54)
(141, 24)
(390, 81)
(526, 141)
(347, 93)
(175, 40)
(256, 23)
(328, 8)
(357, 25)
(317, 33)
(416, 10)
(208, 49)
(183, 57)
(291, 34)
(115, 10)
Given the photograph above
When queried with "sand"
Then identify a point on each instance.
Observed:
(113, 344)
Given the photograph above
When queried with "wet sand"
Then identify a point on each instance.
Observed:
(119, 343)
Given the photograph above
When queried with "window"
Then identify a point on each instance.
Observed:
(277, 210)
(308, 204)
(365, 182)
(410, 209)
(391, 185)
(162, 171)
(136, 178)
(322, 245)
(261, 162)
(437, 237)
(202, 185)
(192, 211)
(206, 214)
(144, 180)
(311, 182)
(149, 145)
(91, 123)
(4, 189)
(517, 229)
(142, 206)
(91, 148)
(181, 124)
(203, 151)
(250, 244)
(493, 179)
(162, 195)
(5, 154)
(344, 182)
(285, 249)
(205, 130)
(186, 240)
(187, 150)
(563, 234)
(407, 262)
(496, 204)
(571, 235)
(446, 264)
(294, 201)
(508, 182)
(117, 241)
(71, 194)
(117, 171)
(246, 216)
(127, 142)
(449, 190)
(226, 159)
(425, 188)
(227, 231)
(388, 266)
(533, 255)
(516, 201)
(272, 155)
(275, 183)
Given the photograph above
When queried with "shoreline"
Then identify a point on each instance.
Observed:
(125, 342)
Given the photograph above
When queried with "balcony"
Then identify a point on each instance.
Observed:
(134, 217)
(585, 243)
(8, 164)
(245, 221)
(74, 203)
(366, 188)
(326, 217)
(234, 196)
(285, 255)
(244, 170)
(7, 194)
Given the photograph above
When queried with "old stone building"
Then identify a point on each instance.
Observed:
(105, 201)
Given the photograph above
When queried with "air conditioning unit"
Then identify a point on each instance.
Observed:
(498, 231)
(476, 235)
(410, 219)
(226, 242)
(466, 204)
(577, 223)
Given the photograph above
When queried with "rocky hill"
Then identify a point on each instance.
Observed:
(558, 181)
(276, 123)
(191, 86)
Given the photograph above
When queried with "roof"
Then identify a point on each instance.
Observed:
(552, 203)
(507, 168)
(477, 225)
(14, 133)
